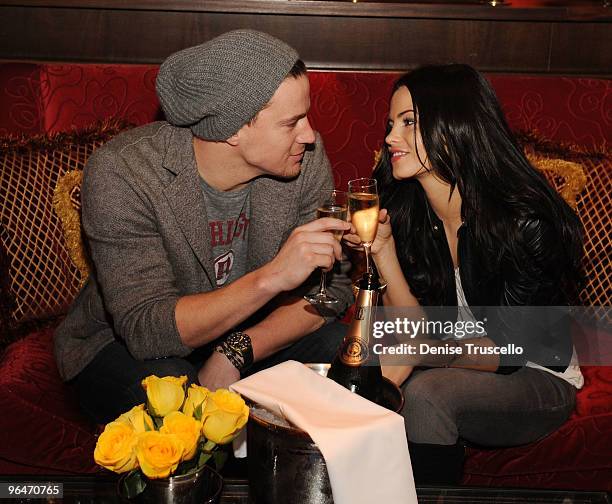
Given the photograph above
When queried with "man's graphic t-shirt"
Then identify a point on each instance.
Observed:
(229, 215)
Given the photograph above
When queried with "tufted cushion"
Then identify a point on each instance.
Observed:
(43, 279)
(32, 394)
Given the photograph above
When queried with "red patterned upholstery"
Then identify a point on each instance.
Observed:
(20, 105)
(75, 96)
(572, 458)
(565, 109)
(595, 398)
(33, 395)
(349, 109)
(45, 98)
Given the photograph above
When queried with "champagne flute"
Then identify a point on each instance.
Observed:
(363, 208)
(334, 205)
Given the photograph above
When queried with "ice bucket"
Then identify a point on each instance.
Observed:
(284, 464)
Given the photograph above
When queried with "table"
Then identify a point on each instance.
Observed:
(101, 490)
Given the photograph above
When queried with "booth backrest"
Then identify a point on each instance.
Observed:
(44, 101)
(348, 108)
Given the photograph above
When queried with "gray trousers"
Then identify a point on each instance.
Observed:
(444, 406)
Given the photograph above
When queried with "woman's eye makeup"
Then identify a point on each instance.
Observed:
(406, 121)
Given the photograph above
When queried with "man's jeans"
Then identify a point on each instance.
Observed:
(110, 384)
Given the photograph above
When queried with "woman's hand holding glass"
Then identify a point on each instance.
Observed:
(364, 210)
(384, 237)
(370, 226)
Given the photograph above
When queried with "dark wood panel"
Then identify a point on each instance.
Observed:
(404, 43)
(517, 10)
(580, 47)
(339, 42)
(335, 42)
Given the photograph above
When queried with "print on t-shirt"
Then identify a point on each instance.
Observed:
(223, 267)
(226, 233)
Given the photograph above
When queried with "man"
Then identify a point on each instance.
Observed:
(201, 231)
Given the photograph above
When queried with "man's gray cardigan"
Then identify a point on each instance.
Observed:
(146, 225)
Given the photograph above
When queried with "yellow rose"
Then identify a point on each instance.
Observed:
(196, 396)
(158, 454)
(138, 418)
(164, 394)
(225, 414)
(186, 428)
(115, 449)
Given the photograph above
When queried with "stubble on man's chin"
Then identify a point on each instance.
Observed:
(292, 175)
(293, 171)
(288, 175)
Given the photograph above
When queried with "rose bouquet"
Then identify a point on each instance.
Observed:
(175, 433)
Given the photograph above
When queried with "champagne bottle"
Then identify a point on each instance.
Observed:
(355, 366)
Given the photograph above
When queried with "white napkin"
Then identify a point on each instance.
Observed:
(364, 445)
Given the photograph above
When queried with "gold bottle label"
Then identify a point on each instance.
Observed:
(355, 352)
(355, 347)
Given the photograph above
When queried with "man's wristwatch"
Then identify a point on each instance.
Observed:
(238, 350)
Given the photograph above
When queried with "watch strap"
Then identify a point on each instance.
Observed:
(238, 349)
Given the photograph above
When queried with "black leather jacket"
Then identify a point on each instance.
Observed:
(530, 280)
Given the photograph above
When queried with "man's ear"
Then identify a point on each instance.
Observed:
(233, 140)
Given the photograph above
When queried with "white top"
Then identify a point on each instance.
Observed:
(572, 374)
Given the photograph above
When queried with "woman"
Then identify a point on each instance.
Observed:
(468, 222)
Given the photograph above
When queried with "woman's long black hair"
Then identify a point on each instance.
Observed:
(470, 146)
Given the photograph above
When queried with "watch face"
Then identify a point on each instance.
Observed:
(237, 342)
(238, 346)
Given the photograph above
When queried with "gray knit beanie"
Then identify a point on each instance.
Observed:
(217, 87)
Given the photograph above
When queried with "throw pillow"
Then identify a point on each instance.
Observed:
(43, 280)
(566, 177)
(67, 205)
(594, 209)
